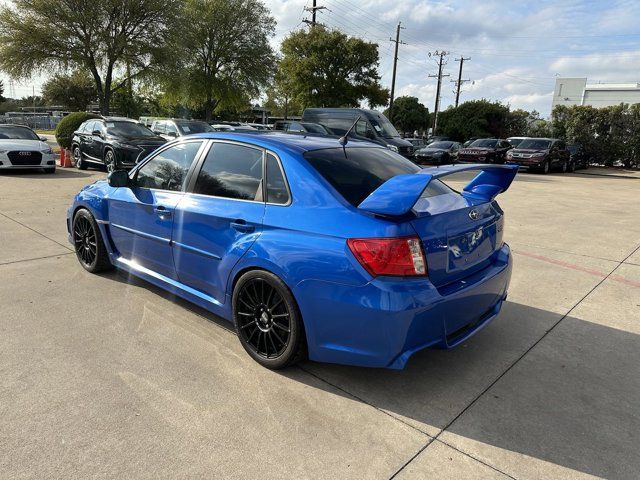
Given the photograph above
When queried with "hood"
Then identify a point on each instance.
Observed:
(429, 150)
(398, 142)
(24, 145)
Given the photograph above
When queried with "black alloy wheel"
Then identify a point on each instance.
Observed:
(77, 157)
(88, 244)
(267, 320)
(110, 161)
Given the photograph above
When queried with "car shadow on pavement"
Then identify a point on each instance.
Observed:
(510, 395)
(572, 400)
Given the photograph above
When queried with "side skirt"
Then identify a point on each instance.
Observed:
(175, 287)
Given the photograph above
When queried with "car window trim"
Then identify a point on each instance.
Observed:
(133, 174)
(197, 168)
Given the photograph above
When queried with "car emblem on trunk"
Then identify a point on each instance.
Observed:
(474, 214)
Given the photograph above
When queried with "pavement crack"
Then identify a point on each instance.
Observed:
(474, 458)
(422, 449)
(360, 399)
(36, 258)
(66, 247)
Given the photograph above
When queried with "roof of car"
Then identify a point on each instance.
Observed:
(274, 139)
(14, 125)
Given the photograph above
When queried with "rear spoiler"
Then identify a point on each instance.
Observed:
(399, 194)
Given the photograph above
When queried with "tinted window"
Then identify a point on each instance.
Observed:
(128, 129)
(338, 126)
(295, 127)
(18, 133)
(315, 128)
(168, 170)
(231, 171)
(356, 172)
(276, 185)
(159, 127)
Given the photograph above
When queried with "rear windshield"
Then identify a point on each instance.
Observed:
(443, 145)
(485, 142)
(356, 172)
(187, 128)
(535, 144)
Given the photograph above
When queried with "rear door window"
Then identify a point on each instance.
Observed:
(356, 172)
(231, 171)
(277, 191)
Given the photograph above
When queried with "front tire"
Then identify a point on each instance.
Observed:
(267, 320)
(110, 161)
(88, 243)
(546, 168)
(77, 157)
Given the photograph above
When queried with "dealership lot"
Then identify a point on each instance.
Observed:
(110, 377)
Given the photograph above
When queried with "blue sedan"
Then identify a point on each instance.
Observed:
(313, 249)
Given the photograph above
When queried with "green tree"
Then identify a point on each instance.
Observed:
(475, 118)
(223, 56)
(327, 68)
(280, 99)
(74, 91)
(409, 114)
(103, 37)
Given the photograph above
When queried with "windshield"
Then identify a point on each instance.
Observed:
(187, 128)
(442, 145)
(515, 141)
(356, 172)
(17, 133)
(485, 142)
(383, 127)
(128, 129)
(314, 128)
(535, 144)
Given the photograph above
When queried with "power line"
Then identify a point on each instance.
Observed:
(314, 9)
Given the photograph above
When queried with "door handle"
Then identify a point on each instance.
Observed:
(162, 211)
(242, 226)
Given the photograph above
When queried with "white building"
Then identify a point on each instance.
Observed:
(576, 91)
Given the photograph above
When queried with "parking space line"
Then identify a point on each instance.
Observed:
(572, 266)
(517, 360)
(35, 231)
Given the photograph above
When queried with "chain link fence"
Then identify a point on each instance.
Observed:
(39, 122)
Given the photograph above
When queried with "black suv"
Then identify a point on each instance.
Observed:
(115, 143)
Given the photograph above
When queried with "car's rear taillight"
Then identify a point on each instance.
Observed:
(398, 257)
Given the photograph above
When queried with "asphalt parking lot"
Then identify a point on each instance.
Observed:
(106, 376)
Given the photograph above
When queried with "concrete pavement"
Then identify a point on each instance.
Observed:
(106, 376)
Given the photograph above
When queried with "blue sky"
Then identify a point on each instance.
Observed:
(516, 48)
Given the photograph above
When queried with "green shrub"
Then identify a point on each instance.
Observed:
(68, 125)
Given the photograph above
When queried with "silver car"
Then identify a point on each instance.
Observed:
(20, 147)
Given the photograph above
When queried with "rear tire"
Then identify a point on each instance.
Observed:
(267, 320)
(88, 243)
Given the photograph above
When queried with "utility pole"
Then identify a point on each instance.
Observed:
(460, 80)
(397, 41)
(313, 11)
(441, 63)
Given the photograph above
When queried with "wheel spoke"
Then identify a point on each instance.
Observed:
(280, 315)
(278, 336)
(248, 325)
(275, 349)
(284, 329)
(245, 314)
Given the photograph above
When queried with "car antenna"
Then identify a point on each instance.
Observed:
(343, 140)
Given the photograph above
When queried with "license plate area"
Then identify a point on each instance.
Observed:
(469, 248)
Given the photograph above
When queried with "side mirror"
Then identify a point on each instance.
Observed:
(96, 133)
(172, 134)
(118, 178)
(42, 139)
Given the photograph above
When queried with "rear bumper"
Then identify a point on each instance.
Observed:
(382, 323)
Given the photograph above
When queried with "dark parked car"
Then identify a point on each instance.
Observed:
(469, 142)
(438, 153)
(295, 126)
(114, 143)
(416, 142)
(178, 127)
(485, 150)
(542, 154)
(515, 141)
(579, 157)
(372, 126)
(437, 138)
